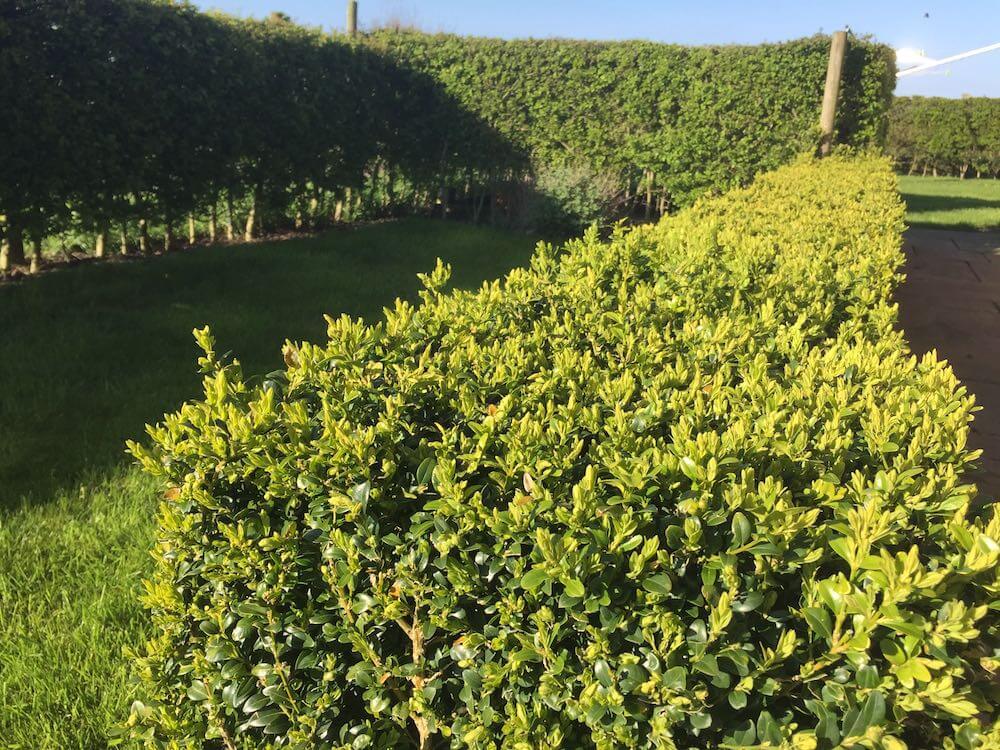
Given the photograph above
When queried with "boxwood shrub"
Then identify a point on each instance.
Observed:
(684, 488)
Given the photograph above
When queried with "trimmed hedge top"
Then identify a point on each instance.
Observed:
(682, 489)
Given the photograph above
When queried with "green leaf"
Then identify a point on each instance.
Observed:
(658, 584)
(768, 729)
(534, 578)
(742, 529)
(744, 736)
(749, 603)
(701, 720)
(426, 470)
(689, 467)
(603, 672)
(574, 588)
(819, 620)
(675, 679)
(840, 545)
(197, 691)
(870, 713)
(868, 677)
(255, 703)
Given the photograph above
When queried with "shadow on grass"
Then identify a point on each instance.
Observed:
(90, 354)
(919, 203)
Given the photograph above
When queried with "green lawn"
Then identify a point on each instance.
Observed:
(951, 203)
(87, 356)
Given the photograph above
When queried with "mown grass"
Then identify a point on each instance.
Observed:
(91, 353)
(951, 203)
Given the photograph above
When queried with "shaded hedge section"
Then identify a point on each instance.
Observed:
(959, 137)
(672, 120)
(685, 488)
(130, 118)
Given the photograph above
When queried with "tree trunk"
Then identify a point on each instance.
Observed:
(13, 253)
(143, 237)
(36, 254)
(191, 234)
(168, 236)
(251, 218)
(230, 224)
(314, 208)
(123, 236)
(443, 200)
(649, 194)
(212, 220)
(348, 204)
(99, 242)
(338, 211)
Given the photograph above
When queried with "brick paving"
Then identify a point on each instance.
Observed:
(951, 302)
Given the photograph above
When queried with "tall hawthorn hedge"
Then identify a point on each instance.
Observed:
(686, 488)
(684, 119)
(945, 136)
(126, 117)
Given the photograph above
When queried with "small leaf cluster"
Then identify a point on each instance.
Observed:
(683, 488)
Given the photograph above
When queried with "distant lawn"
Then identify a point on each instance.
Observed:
(89, 354)
(951, 203)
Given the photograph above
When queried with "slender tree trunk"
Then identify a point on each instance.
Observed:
(338, 211)
(99, 242)
(123, 238)
(494, 186)
(212, 221)
(230, 224)
(168, 236)
(144, 237)
(443, 200)
(13, 254)
(36, 253)
(314, 208)
(649, 194)
(251, 218)
(191, 235)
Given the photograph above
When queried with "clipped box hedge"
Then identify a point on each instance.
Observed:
(685, 488)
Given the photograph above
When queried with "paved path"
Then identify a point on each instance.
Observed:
(951, 302)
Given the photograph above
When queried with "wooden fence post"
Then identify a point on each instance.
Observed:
(352, 18)
(827, 118)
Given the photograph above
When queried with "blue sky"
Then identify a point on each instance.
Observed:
(946, 29)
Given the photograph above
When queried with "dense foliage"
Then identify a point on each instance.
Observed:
(684, 488)
(676, 121)
(133, 120)
(945, 136)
